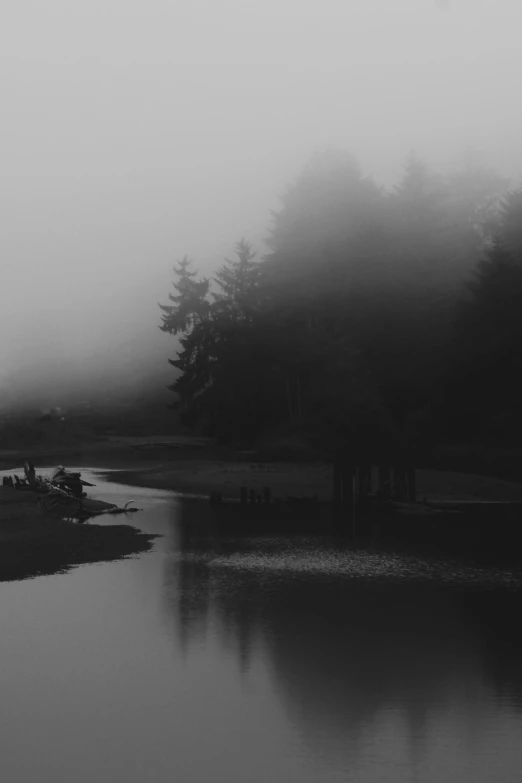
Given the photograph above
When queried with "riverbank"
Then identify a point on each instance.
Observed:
(120, 451)
(192, 465)
(33, 543)
(203, 477)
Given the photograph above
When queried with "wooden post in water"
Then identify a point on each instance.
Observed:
(411, 484)
(375, 479)
(337, 505)
(400, 490)
(348, 494)
(337, 479)
(343, 489)
(354, 502)
(337, 490)
(364, 478)
(384, 476)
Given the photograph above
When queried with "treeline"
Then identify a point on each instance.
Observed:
(383, 317)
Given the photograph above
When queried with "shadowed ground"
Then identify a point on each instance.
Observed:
(33, 542)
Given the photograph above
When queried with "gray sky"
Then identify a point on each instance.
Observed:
(135, 131)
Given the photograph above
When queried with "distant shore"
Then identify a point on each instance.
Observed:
(204, 477)
(32, 544)
(190, 465)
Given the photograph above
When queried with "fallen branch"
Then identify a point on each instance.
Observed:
(59, 492)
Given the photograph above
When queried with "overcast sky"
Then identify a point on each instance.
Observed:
(135, 131)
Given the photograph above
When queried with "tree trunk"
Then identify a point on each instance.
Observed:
(289, 398)
(411, 485)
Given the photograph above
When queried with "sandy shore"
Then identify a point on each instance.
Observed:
(204, 477)
(33, 543)
(197, 466)
(290, 479)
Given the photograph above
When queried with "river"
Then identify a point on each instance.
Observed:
(269, 661)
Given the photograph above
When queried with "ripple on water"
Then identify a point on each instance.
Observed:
(309, 559)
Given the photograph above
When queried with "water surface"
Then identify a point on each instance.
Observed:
(259, 662)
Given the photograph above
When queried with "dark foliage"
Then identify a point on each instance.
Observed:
(359, 324)
(484, 380)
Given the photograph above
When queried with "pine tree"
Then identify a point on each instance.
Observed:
(511, 223)
(328, 225)
(190, 303)
(238, 281)
(484, 381)
(189, 317)
(222, 376)
(439, 226)
(475, 193)
(490, 313)
(321, 242)
(239, 389)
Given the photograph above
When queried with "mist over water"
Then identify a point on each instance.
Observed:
(133, 133)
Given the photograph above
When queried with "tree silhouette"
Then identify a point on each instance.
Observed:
(355, 322)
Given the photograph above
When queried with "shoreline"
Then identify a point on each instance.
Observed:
(204, 477)
(35, 544)
(192, 465)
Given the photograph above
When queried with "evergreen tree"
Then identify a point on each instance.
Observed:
(327, 244)
(189, 316)
(326, 228)
(485, 372)
(222, 379)
(190, 302)
(238, 281)
(236, 372)
(344, 325)
(438, 228)
(511, 223)
(475, 192)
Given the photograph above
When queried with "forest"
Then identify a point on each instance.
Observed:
(386, 318)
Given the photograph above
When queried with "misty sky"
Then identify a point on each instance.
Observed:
(135, 131)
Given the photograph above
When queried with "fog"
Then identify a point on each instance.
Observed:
(136, 132)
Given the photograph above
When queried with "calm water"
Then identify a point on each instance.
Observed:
(264, 662)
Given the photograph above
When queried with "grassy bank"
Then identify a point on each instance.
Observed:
(32, 543)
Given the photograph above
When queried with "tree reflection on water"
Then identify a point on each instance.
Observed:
(344, 653)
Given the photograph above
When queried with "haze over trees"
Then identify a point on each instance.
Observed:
(485, 369)
(365, 317)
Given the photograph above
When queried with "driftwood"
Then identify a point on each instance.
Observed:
(115, 510)
(62, 493)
